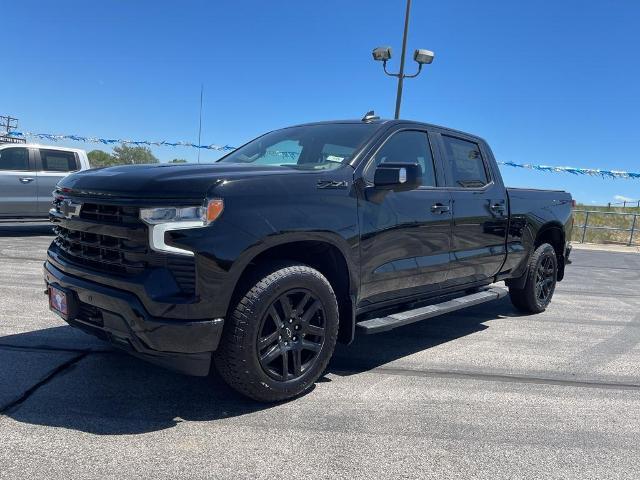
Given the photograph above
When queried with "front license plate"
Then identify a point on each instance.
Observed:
(59, 301)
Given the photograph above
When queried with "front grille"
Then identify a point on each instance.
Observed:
(109, 214)
(103, 252)
(82, 241)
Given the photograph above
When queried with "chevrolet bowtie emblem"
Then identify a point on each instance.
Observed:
(70, 209)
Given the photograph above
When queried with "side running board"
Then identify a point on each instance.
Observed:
(376, 325)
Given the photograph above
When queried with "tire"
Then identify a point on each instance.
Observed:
(294, 313)
(542, 275)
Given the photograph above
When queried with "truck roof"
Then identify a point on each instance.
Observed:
(384, 121)
(37, 145)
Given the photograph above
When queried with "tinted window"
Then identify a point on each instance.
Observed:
(309, 147)
(286, 152)
(14, 159)
(409, 147)
(56, 161)
(466, 162)
(336, 153)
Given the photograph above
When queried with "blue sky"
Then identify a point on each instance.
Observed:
(550, 82)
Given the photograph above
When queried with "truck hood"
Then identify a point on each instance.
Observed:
(165, 181)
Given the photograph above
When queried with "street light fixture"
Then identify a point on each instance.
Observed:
(420, 56)
(382, 54)
(423, 57)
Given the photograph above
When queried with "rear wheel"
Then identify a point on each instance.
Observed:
(280, 336)
(540, 284)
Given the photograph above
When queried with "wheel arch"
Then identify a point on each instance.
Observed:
(326, 255)
(553, 234)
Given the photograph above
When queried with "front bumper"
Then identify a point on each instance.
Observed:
(119, 317)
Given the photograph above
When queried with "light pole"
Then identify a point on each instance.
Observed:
(422, 57)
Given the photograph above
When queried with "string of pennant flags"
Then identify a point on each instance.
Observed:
(575, 171)
(226, 148)
(112, 141)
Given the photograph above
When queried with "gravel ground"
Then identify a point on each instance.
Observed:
(483, 393)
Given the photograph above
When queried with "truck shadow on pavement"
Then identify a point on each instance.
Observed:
(371, 351)
(106, 392)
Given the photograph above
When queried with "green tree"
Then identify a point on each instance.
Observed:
(178, 160)
(126, 155)
(99, 158)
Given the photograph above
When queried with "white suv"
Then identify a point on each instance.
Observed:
(29, 174)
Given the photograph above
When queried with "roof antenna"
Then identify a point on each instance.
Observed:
(370, 116)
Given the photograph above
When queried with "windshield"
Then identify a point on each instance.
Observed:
(311, 147)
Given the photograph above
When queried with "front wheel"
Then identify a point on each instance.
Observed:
(540, 284)
(280, 336)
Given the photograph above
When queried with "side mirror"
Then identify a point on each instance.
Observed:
(398, 176)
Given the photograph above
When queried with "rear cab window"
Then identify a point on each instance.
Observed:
(58, 161)
(15, 158)
(468, 168)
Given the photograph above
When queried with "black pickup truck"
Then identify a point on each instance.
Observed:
(260, 262)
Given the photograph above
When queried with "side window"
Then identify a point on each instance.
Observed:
(409, 146)
(466, 162)
(57, 161)
(14, 159)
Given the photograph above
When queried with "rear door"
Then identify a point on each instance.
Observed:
(479, 205)
(52, 166)
(18, 186)
(405, 235)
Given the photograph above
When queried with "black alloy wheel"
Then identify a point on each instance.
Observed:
(545, 279)
(291, 335)
(280, 336)
(539, 281)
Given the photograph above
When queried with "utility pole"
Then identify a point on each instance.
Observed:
(404, 52)
(8, 123)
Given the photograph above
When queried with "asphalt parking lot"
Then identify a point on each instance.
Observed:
(483, 393)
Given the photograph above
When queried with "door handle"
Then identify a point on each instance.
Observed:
(439, 208)
(26, 179)
(497, 207)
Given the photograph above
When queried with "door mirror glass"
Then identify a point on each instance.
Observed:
(398, 176)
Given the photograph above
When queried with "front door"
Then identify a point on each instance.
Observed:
(18, 186)
(480, 214)
(405, 236)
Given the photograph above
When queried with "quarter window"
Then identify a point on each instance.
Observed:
(409, 146)
(57, 161)
(466, 162)
(14, 159)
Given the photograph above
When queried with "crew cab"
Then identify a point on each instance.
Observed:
(260, 262)
(29, 174)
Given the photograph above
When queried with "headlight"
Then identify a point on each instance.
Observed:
(164, 219)
(172, 214)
